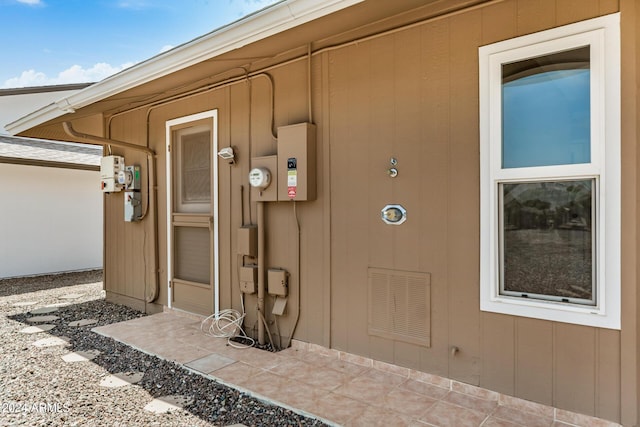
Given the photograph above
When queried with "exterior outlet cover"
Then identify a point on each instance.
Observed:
(279, 306)
(277, 282)
(249, 279)
(248, 240)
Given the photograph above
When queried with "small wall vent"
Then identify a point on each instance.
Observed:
(399, 305)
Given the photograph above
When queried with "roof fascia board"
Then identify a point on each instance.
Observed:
(47, 163)
(261, 25)
(29, 90)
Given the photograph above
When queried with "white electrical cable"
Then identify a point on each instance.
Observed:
(227, 324)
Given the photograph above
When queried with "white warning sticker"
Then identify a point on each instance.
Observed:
(292, 178)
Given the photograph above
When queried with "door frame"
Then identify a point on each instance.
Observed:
(169, 125)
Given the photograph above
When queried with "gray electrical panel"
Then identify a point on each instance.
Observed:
(132, 206)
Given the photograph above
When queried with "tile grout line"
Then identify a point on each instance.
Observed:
(231, 385)
(407, 374)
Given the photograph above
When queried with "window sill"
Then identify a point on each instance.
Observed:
(551, 311)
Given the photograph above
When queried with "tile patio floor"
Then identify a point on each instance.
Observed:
(337, 387)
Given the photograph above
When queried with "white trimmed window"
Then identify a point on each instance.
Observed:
(550, 174)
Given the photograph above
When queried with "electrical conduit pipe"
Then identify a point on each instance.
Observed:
(151, 157)
(261, 261)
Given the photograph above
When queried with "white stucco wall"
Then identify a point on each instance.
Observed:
(50, 220)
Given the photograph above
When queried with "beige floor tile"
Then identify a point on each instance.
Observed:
(391, 368)
(231, 352)
(474, 391)
(470, 402)
(292, 352)
(386, 378)
(359, 360)
(237, 373)
(374, 416)
(175, 335)
(215, 345)
(316, 358)
(521, 417)
(293, 368)
(365, 389)
(316, 348)
(526, 406)
(177, 353)
(338, 389)
(190, 336)
(302, 396)
(430, 378)
(153, 320)
(210, 363)
(143, 342)
(338, 409)
(442, 414)
(426, 389)
(259, 358)
(267, 384)
(408, 402)
(582, 420)
(326, 378)
(348, 368)
(497, 422)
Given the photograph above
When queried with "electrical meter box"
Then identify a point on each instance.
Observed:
(110, 167)
(297, 162)
(130, 178)
(269, 193)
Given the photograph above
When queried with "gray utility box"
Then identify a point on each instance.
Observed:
(132, 206)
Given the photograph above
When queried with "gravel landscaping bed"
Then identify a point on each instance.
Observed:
(38, 388)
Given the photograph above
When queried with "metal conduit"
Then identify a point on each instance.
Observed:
(152, 189)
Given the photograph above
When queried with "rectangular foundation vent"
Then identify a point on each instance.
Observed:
(399, 305)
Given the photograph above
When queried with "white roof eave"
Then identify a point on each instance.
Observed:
(268, 22)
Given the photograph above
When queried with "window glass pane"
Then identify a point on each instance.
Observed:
(192, 169)
(196, 167)
(546, 110)
(547, 240)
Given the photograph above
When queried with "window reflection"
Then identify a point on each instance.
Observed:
(547, 240)
(546, 110)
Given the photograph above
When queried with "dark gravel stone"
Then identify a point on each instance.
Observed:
(40, 389)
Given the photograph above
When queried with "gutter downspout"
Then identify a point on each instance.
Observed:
(152, 190)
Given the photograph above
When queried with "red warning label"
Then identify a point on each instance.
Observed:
(291, 192)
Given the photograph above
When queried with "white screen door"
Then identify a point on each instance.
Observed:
(192, 213)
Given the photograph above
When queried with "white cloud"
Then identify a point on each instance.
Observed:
(133, 4)
(248, 6)
(73, 74)
(32, 2)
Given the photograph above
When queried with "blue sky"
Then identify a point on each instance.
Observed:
(45, 42)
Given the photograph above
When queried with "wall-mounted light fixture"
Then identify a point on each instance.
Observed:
(393, 214)
(227, 154)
